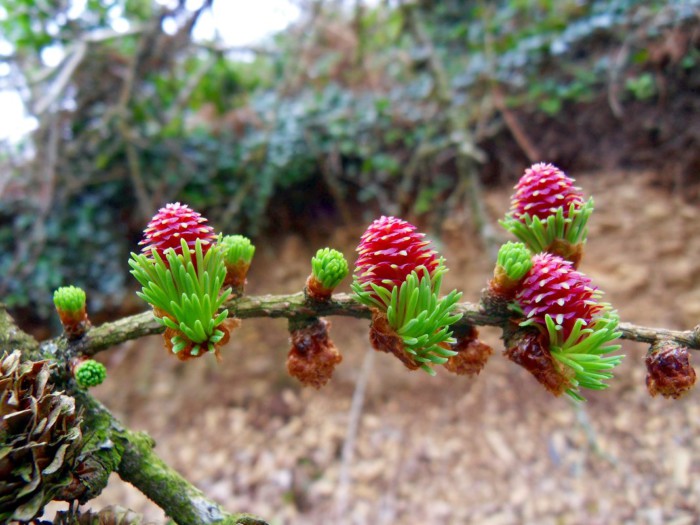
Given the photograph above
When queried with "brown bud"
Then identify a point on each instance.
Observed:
(313, 356)
(472, 353)
(669, 372)
(384, 339)
(501, 285)
(75, 324)
(236, 277)
(529, 348)
(315, 291)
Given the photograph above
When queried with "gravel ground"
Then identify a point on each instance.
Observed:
(446, 450)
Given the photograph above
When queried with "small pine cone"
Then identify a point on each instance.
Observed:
(173, 223)
(669, 371)
(389, 251)
(553, 287)
(542, 190)
(472, 353)
(383, 338)
(313, 356)
(528, 348)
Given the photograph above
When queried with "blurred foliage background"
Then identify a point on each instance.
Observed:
(355, 110)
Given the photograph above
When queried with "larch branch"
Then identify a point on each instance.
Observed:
(296, 306)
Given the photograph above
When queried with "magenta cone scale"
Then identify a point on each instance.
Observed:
(172, 223)
(553, 287)
(389, 251)
(542, 190)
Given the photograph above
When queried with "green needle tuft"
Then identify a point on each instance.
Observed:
(187, 290)
(584, 351)
(539, 235)
(417, 314)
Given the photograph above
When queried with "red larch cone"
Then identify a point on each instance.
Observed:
(553, 287)
(390, 249)
(542, 190)
(172, 223)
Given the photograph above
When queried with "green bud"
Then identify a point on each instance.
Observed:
(515, 259)
(89, 373)
(69, 299)
(329, 267)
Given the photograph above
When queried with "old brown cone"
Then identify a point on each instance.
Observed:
(39, 438)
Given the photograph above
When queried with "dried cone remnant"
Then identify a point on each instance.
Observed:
(313, 356)
(112, 515)
(669, 371)
(548, 213)
(575, 328)
(328, 269)
(530, 349)
(70, 305)
(173, 224)
(238, 254)
(39, 439)
(471, 355)
(399, 277)
(384, 338)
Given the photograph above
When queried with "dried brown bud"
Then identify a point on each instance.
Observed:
(472, 353)
(313, 356)
(236, 274)
(669, 372)
(384, 339)
(529, 349)
(75, 324)
(501, 285)
(315, 290)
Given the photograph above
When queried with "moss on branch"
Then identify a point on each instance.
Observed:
(130, 454)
